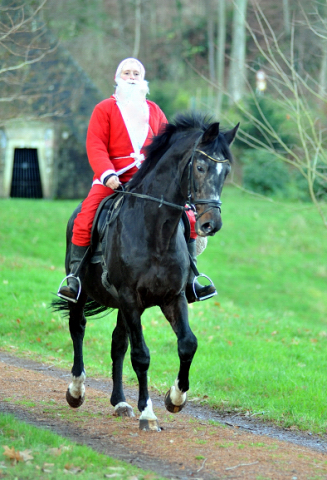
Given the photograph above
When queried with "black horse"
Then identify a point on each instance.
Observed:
(145, 260)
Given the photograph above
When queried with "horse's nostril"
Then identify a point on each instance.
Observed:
(207, 227)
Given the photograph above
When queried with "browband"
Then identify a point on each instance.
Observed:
(211, 158)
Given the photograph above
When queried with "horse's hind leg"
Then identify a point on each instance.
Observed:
(75, 394)
(177, 314)
(119, 345)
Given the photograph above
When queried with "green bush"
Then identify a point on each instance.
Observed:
(170, 98)
(268, 113)
(300, 185)
(320, 184)
(264, 174)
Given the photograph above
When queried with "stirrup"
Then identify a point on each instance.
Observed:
(74, 300)
(211, 285)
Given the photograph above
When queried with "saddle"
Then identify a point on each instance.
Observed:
(107, 212)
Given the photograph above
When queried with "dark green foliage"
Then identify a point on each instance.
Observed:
(169, 97)
(270, 117)
(319, 186)
(263, 173)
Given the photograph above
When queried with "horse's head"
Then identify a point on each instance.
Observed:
(210, 165)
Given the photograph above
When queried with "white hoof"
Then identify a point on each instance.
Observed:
(175, 399)
(148, 420)
(123, 409)
(75, 394)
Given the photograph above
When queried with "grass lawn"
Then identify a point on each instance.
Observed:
(262, 341)
(27, 452)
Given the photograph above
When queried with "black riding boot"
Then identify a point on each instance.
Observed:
(200, 292)
(70, 292)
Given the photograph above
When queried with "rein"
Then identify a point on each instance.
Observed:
(191, 205)
(155, 199)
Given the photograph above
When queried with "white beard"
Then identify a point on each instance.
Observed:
(131, 100)
(127, 91)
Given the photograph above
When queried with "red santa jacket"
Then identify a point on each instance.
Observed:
(108, 139)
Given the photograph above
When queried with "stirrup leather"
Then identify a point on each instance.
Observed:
(71, 275)
(211, 285)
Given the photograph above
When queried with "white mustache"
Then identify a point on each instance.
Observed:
(127, 90)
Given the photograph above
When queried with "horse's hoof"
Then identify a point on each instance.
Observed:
(149, 425)
(170, 406)
(122, 409)
(72, 401)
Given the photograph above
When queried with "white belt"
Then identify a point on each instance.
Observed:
(139, 158)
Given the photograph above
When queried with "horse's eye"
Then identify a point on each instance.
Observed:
(200, 169)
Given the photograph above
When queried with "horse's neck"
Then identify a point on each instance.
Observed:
(164, 219)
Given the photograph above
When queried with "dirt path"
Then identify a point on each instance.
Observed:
(191, 444)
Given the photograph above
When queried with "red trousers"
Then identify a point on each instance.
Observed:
(84, 220)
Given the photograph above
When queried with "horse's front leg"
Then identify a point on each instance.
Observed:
(177, 314)
(140, 358)
(119, 345)
(75, 394)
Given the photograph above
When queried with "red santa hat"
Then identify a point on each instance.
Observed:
(122, 63)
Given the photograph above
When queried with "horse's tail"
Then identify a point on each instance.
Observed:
(90, 308)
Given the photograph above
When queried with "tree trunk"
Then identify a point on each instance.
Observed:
(220, 61)
(137, 38)
(323, 64)
(210, 33)
(237, 71)
(286, 14)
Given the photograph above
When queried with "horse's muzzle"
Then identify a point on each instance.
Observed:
(208, 224)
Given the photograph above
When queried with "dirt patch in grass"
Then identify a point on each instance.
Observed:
(192, 444)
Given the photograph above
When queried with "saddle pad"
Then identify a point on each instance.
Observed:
(107, 211)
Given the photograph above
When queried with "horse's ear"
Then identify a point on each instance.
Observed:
(230, 135)
(211, 133)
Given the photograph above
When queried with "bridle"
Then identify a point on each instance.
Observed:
(191, 203)
(191, 183)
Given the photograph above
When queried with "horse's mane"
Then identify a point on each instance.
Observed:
(169, 133)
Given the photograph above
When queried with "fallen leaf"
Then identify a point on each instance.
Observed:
(293, 428)
(11, 453)
(16, 455)
(72, 469)
(55, 451)
(25, 455)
